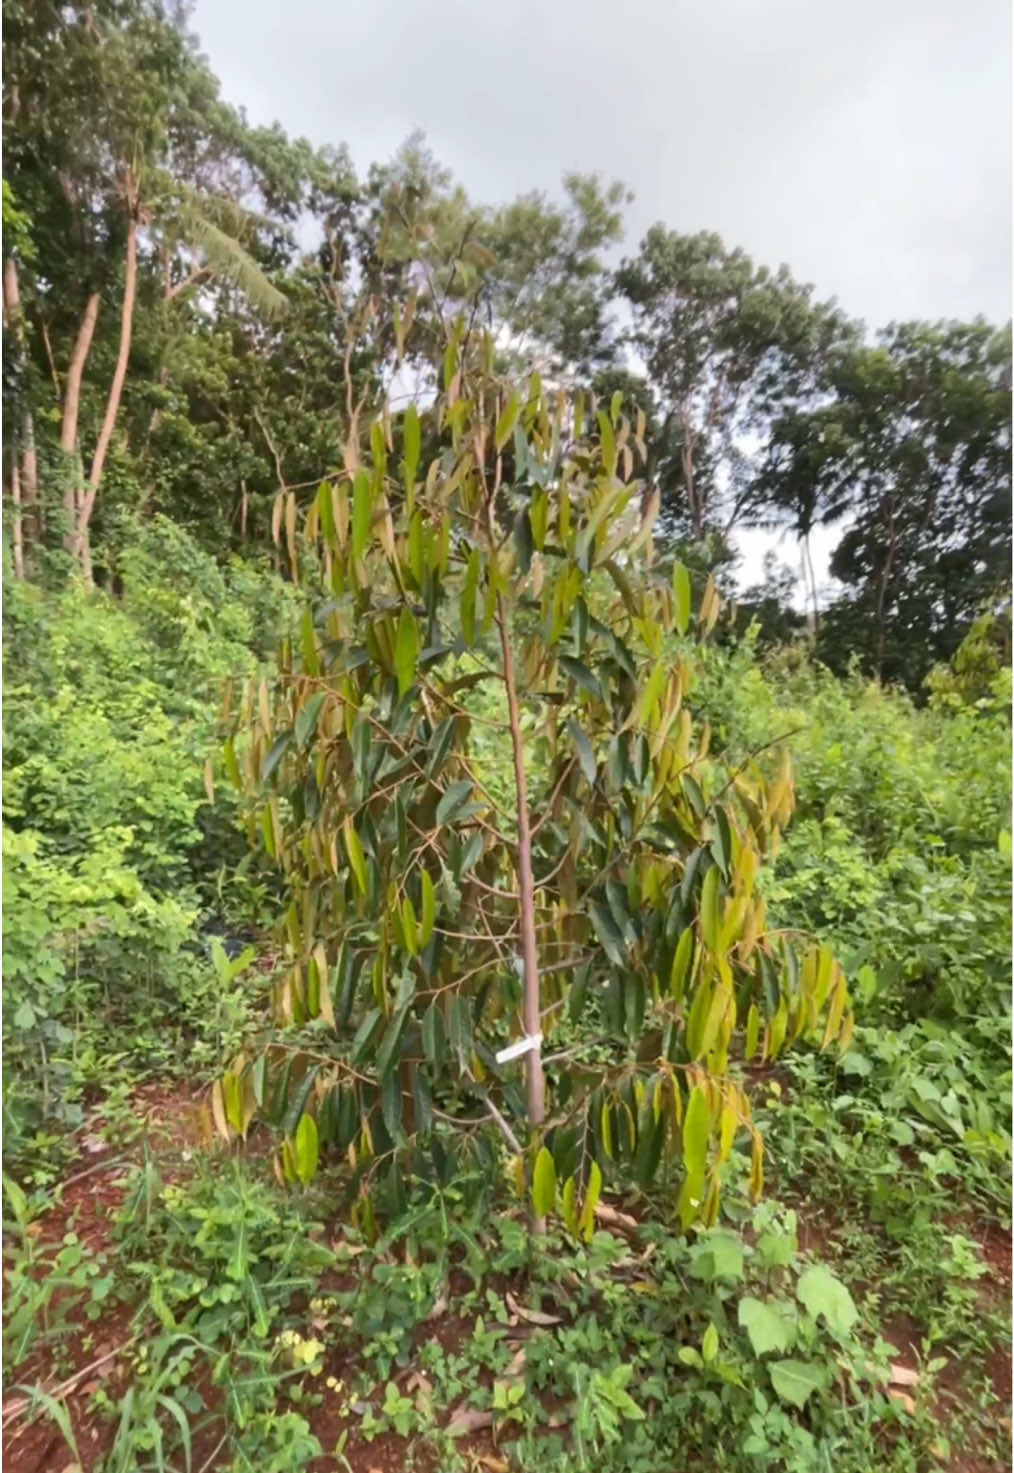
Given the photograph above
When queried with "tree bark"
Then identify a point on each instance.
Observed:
(17, 522)
(881, 601)
(71, 407)
(81, 540)
(24, 477)
(535, 1076)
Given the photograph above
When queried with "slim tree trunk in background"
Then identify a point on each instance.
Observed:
(811, 579)
(882, 586)
(82, 545)
(71, 407)
(526, 885)
(24, 471)
(17, 524)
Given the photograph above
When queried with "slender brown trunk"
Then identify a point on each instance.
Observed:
(68, 422)
(24, 478)
(17, 522)
(811, 579)
(75, 373)
(687, 463)
(526, 885)
(81, 540)
(881, 604)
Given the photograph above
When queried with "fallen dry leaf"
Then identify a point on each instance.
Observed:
(468, 1419)
(902, 1376)
(902, 1397)
(533, 1316)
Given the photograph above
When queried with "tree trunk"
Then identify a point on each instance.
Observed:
(811, 578)
(81, 540)
(535, 1076)
(881, 600)
(24, 477)
(687, 464)
(17, 524)
(71, 407)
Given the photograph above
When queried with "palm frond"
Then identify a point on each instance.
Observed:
(228, 258)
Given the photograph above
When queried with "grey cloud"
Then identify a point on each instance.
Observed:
(867, 145)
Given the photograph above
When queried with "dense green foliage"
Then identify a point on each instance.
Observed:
(212, 483)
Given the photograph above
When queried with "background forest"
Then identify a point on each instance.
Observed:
(232, 366)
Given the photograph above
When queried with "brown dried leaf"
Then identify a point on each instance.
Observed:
(533, 1316)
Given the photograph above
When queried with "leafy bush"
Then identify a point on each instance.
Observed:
(111, 854)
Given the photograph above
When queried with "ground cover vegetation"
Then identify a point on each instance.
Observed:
(478, 993)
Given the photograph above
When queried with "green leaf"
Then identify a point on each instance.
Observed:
(681, 964)
(585, 755)
(718, 1255)
(586, 1223)
(433, 1035)
(523, 539)
(822, 1294)
(423, 1097)
(709, 1345)
(795, 1381)
(278, 749)
(711, 915)
(505, 424)
(406, 651)
(362, 511)
(307, 1149)
(608, 442)
(582, 676)
(544, 1184)
(681, 593)
(461, 1031)
(24, 1016)
(456, 796)
(605, 929)
(306, 721)
(428, 903)
(354, 850)
(696, 1131)
(767, 1328)
(389, 1050)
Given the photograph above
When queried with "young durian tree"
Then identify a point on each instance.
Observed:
(501, 596)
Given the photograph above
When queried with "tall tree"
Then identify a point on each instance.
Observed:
(726, 345)
(914, 451)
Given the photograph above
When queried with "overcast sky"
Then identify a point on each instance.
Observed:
(866, 144)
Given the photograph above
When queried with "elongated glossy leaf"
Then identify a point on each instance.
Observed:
(582, 676)
(354, 850)
(278, 749)
(711, 911)
(593, 1191)
(544, 1184)
(306, 721)
(585, 754)
(696, 1130)
(428, 905)
(681, 964)
(406, 651)
(681, 594)
(433, 1036)
(362, 511)
(307, 1149)
(505, 424)
(455, 798)
(607, 933)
